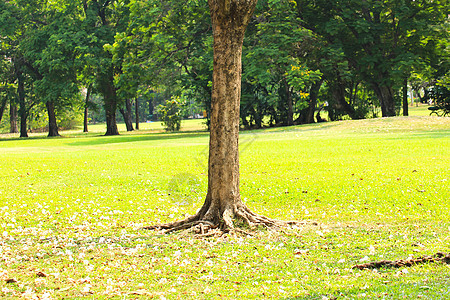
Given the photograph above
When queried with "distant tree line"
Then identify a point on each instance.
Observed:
(110, 60)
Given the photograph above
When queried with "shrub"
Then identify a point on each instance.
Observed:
(170, 114)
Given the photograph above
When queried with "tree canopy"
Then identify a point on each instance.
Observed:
(351, 58)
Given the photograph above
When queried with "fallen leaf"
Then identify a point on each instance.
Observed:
(41, 274)
(11, 280)
(139, 292)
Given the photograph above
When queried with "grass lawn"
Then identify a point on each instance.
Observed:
(419, 109)
(71, 209)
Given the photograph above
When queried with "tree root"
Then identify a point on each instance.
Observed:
(438, 257)
(205, 226)
(202, 225)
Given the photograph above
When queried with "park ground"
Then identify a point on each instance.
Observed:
(71, 210)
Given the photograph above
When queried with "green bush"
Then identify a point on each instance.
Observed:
(170, 114)
(70, 118)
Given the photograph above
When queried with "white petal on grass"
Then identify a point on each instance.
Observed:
(46, 296)
(163, 280)
(365, 258)
(86, 289)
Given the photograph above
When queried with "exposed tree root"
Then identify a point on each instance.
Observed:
(202, 225)
(438, 257)
(208, 222)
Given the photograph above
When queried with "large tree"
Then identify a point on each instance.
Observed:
(380, 39)
(99, 23)
(223, 201)
(37, 39)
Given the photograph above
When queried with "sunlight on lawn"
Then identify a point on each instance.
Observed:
(365, 190)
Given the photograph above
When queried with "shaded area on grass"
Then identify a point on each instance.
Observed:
(139, 138)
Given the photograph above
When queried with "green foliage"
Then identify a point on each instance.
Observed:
(170, 114)
(300, 77)
(440, 96)
(131, 48)
(382, 41)
(70, 119)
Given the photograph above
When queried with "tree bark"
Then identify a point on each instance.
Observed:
(223, 201)
(126, 113)
(13, 118)
(338, 93)
(86, 108)
(110, 105)
(150, 109)
(136, 112)
(2, 108)
(229, 19)
(386, 97)
(313, 95)
(111, 124)
(405, 98)
(290, 112)
(307, 114)
(23, 112)
(52, 124)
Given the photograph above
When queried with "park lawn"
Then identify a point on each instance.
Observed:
(152, 127)
(71, 210)
(419, 109)
(100, 129)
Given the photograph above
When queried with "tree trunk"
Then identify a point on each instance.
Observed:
(52, 124)
(13, 118)
(223, 169)
(405, 98)
(126, 113)
(85, 119)
(258, 117)
(2, 108)
(223, 201)
(22, 104)
(110, 104)
(313, 95)
(307, 114)
(386, 97)
(111, 124)
(290, 112)
(338, 94)
(136, 112)
(86, 108)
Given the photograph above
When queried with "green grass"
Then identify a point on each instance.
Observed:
(100, 129)
(419, 109)
(378, 189)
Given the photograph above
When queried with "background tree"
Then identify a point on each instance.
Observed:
(377, 37)
(167, 47)
(14, 24)
(50, 51)
(101, 20)
(170, 114)
(269, 57)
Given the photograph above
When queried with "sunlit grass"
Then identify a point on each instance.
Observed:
(378, 189)
(419, 109)
(156, 126)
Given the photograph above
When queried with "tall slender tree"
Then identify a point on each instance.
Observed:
(223, 200)
(102, 20)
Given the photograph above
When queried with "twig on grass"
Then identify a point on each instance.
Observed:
(438, 257)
